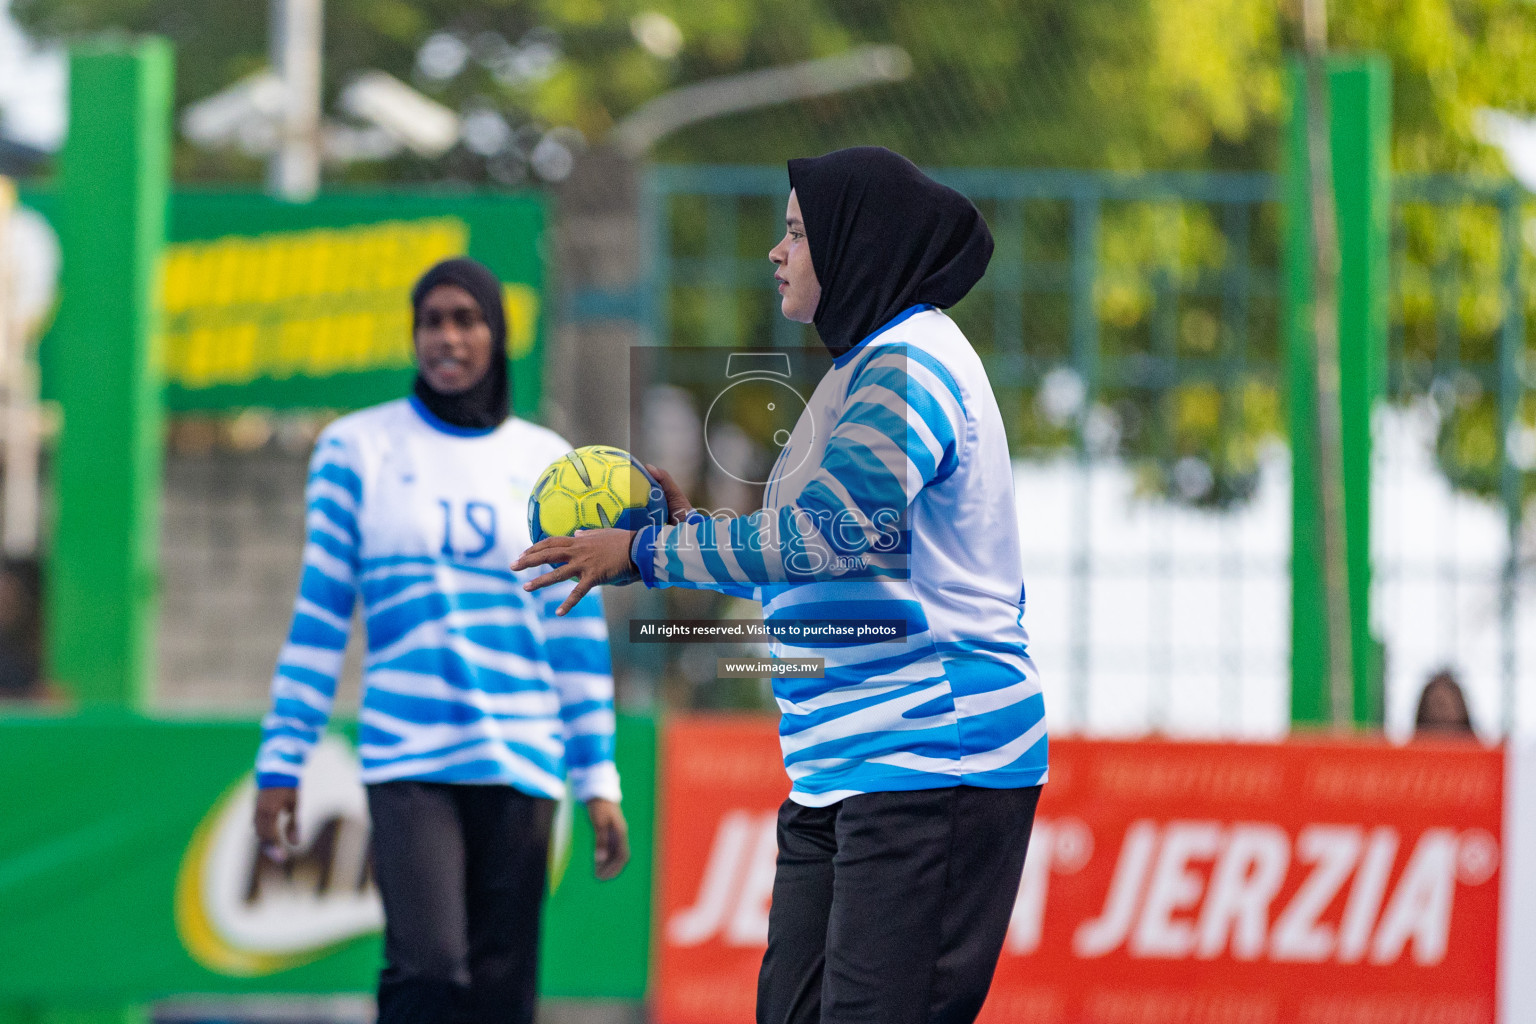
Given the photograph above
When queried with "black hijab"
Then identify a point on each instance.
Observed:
(487, 402)
(884, 236)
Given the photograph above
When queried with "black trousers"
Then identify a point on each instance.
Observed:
(461, 870)
(891, 908)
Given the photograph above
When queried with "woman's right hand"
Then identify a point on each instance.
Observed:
(678, 505)
(277, 820)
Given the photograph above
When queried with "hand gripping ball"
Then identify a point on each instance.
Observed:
(594, 488)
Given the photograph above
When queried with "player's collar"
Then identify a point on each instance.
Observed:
(906, 314)
(442, 425)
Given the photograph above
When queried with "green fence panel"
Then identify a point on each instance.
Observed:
(112, 825)
(597, 935)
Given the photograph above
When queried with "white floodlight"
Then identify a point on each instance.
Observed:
(1513, 135)
(226, 118)
(347, 144)
(425, 126)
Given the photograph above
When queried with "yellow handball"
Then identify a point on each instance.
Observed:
(593, 488)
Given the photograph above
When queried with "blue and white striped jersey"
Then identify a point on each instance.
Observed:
(901, 507)
(468, 678)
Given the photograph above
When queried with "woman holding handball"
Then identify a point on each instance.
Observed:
(479, 703)
(916, 766)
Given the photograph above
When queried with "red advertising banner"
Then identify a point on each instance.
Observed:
(1167, 882)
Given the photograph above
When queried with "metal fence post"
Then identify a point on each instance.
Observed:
(1359, 134)
(1511, 366)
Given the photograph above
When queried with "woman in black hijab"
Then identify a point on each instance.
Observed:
(887, 238)
(460, 379)
(479, 705)
(916, 767)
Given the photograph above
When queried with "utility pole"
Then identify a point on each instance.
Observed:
(295, 42)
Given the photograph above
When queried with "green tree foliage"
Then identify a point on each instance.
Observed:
(1123, 84)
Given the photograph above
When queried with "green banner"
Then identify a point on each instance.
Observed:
(129, 871)
(279, 305)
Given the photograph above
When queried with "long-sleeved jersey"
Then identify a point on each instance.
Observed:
(468, 678)
(900, 507)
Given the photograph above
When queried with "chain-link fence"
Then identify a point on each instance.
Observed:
(1131, 329)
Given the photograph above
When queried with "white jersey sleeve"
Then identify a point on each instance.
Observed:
(304, 684)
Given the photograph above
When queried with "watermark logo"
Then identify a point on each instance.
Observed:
(759, 399)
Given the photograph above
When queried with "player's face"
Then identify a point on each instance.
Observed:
(799, 291)
(453, 341)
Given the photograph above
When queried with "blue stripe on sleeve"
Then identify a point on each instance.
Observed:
(319, 585)
(335, 596)
(333, 545)
(745, 537)
(342, 476)
(312, 632)
(344, 519)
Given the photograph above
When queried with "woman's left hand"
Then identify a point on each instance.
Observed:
(612, 835)
(592, 558)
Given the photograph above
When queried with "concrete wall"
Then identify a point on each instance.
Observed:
(232, 535)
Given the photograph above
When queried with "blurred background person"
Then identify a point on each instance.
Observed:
(1443, 708)
(478, 703)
